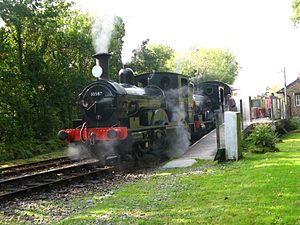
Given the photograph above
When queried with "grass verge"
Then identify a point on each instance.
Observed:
(260, 189)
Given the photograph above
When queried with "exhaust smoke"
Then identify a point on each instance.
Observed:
(100, 151)
(102, 27)
(178, 139)
(77, 152)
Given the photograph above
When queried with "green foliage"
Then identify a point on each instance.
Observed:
(43, 57)
(29, 148)
(263, 138)
(209, 64)
(45, 61)
(115, 48)
(154, 57)
(292, 124)
(296, 8)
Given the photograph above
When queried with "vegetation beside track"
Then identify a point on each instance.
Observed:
(259, 189)
(55, 151)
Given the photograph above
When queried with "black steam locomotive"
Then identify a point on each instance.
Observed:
(143, 114)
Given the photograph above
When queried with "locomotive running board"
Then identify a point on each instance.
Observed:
(156, 127)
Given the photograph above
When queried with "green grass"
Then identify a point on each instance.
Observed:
(260, 189)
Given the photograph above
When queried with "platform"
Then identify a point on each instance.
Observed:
(206, 147)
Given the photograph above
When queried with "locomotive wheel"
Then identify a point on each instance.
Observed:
(160, 140)
(150, 160)
(139, 150)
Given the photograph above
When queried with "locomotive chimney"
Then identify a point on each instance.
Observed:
(102, 59)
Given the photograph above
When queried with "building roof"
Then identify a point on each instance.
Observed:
(281, 91)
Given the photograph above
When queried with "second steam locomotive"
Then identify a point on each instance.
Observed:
(142, 114)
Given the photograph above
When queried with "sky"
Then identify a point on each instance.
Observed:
(258, 32)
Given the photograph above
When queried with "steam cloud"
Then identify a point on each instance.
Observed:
(102, 27)
(77, 152)
(102, 151)
(179, 139)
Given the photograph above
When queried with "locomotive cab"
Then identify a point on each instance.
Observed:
(177, 90)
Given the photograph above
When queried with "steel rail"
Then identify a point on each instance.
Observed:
(35, 168)
(21, 186)
(33, 164)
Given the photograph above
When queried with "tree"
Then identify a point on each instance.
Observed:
(45, 61)
(296, 8)
(115, 47)
(154, 57)
(47, 49)
(209, 64)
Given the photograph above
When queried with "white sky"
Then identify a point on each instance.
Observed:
(258, 32)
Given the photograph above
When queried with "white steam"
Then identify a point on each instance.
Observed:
(104, 150)
(100, 151)
(178, 139)
(77, 152)
(102, 27)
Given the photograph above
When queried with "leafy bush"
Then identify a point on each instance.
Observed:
(263, 138)
(292, 124)
(29, 148)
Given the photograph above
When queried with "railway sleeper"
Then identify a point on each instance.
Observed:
(35, 184)
(10, 189)
(49, 180)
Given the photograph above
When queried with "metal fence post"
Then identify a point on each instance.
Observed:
(218, 131)
(241, 111)
(272, 110)
(250, 106)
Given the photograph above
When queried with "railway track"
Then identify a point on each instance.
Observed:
(18, 170)
(19, 181)
(45, 180)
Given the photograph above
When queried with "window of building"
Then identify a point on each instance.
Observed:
(297, 99)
